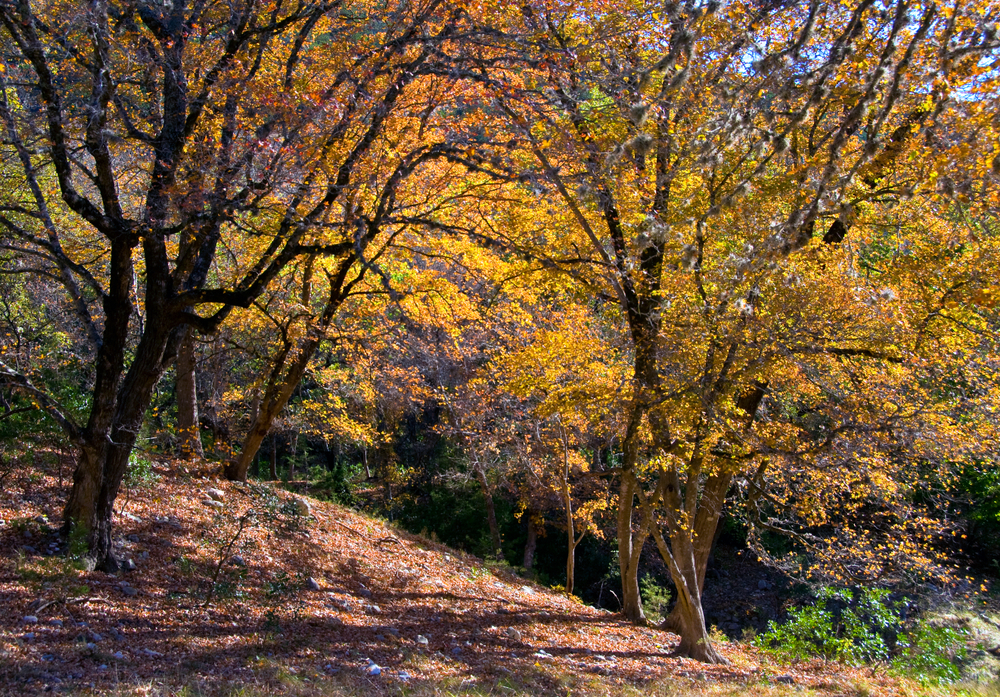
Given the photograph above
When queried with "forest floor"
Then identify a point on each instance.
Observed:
(310, 598)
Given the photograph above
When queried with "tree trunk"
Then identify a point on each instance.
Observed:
(188, 425)
(104, 458)
(282, 382)
(680, 558)
(629, 551)
(491, 515)
(532, 543)
(706, 528)
(274, 457)
(567, 495)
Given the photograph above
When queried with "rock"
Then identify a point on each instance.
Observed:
(393, 631)
(151, 653)
(785, 679)
(364, 592)
(542, 653)
(215, 494)
(144, 554)
(41, 520)
(118, 655)
(128, 565)
(91, 645)
(30, 619)
(302, 507)
(217, 505)
(117, 634)
(28, 549)
(763, 585)
(95, 637)
(313, 585)
(512, 633)
(29, 636)
(133, 518)
(403, 675)
(237, 560)
(456, 651)
(132, 538)
(56, 623)
(130, 591)
(422, 640)
(373, 668)
(342, 604)
(373, 609)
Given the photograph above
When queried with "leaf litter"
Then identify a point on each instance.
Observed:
(310, 591)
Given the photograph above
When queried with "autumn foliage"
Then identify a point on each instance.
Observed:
(647, 260)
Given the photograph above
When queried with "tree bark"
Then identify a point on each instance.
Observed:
(188, 424)
(532, 542)
(629, 551)
(274, 457)
(104, 456)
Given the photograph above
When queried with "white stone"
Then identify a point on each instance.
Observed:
(302, 507)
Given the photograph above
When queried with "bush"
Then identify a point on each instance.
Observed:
(853, 627)
(930, 653)
(842, 626)
(655, 598)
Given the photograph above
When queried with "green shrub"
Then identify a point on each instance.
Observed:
(852, 627)
(842, 625)
(931, 653)
(140, 471)
(655, 598)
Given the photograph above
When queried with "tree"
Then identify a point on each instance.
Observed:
(695, 163)
(150, 137)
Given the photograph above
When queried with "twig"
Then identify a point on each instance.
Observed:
(244, 519)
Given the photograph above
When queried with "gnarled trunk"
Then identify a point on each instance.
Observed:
(629, 551)
(105, 454)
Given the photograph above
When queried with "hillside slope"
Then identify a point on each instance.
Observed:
(310, 597)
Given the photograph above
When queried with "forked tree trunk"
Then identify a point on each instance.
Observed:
(629, 551)
(105, 454)
(695, 642)
(706, 528)
(188, 425)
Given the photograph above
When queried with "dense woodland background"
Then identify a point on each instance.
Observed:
(592, 289)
